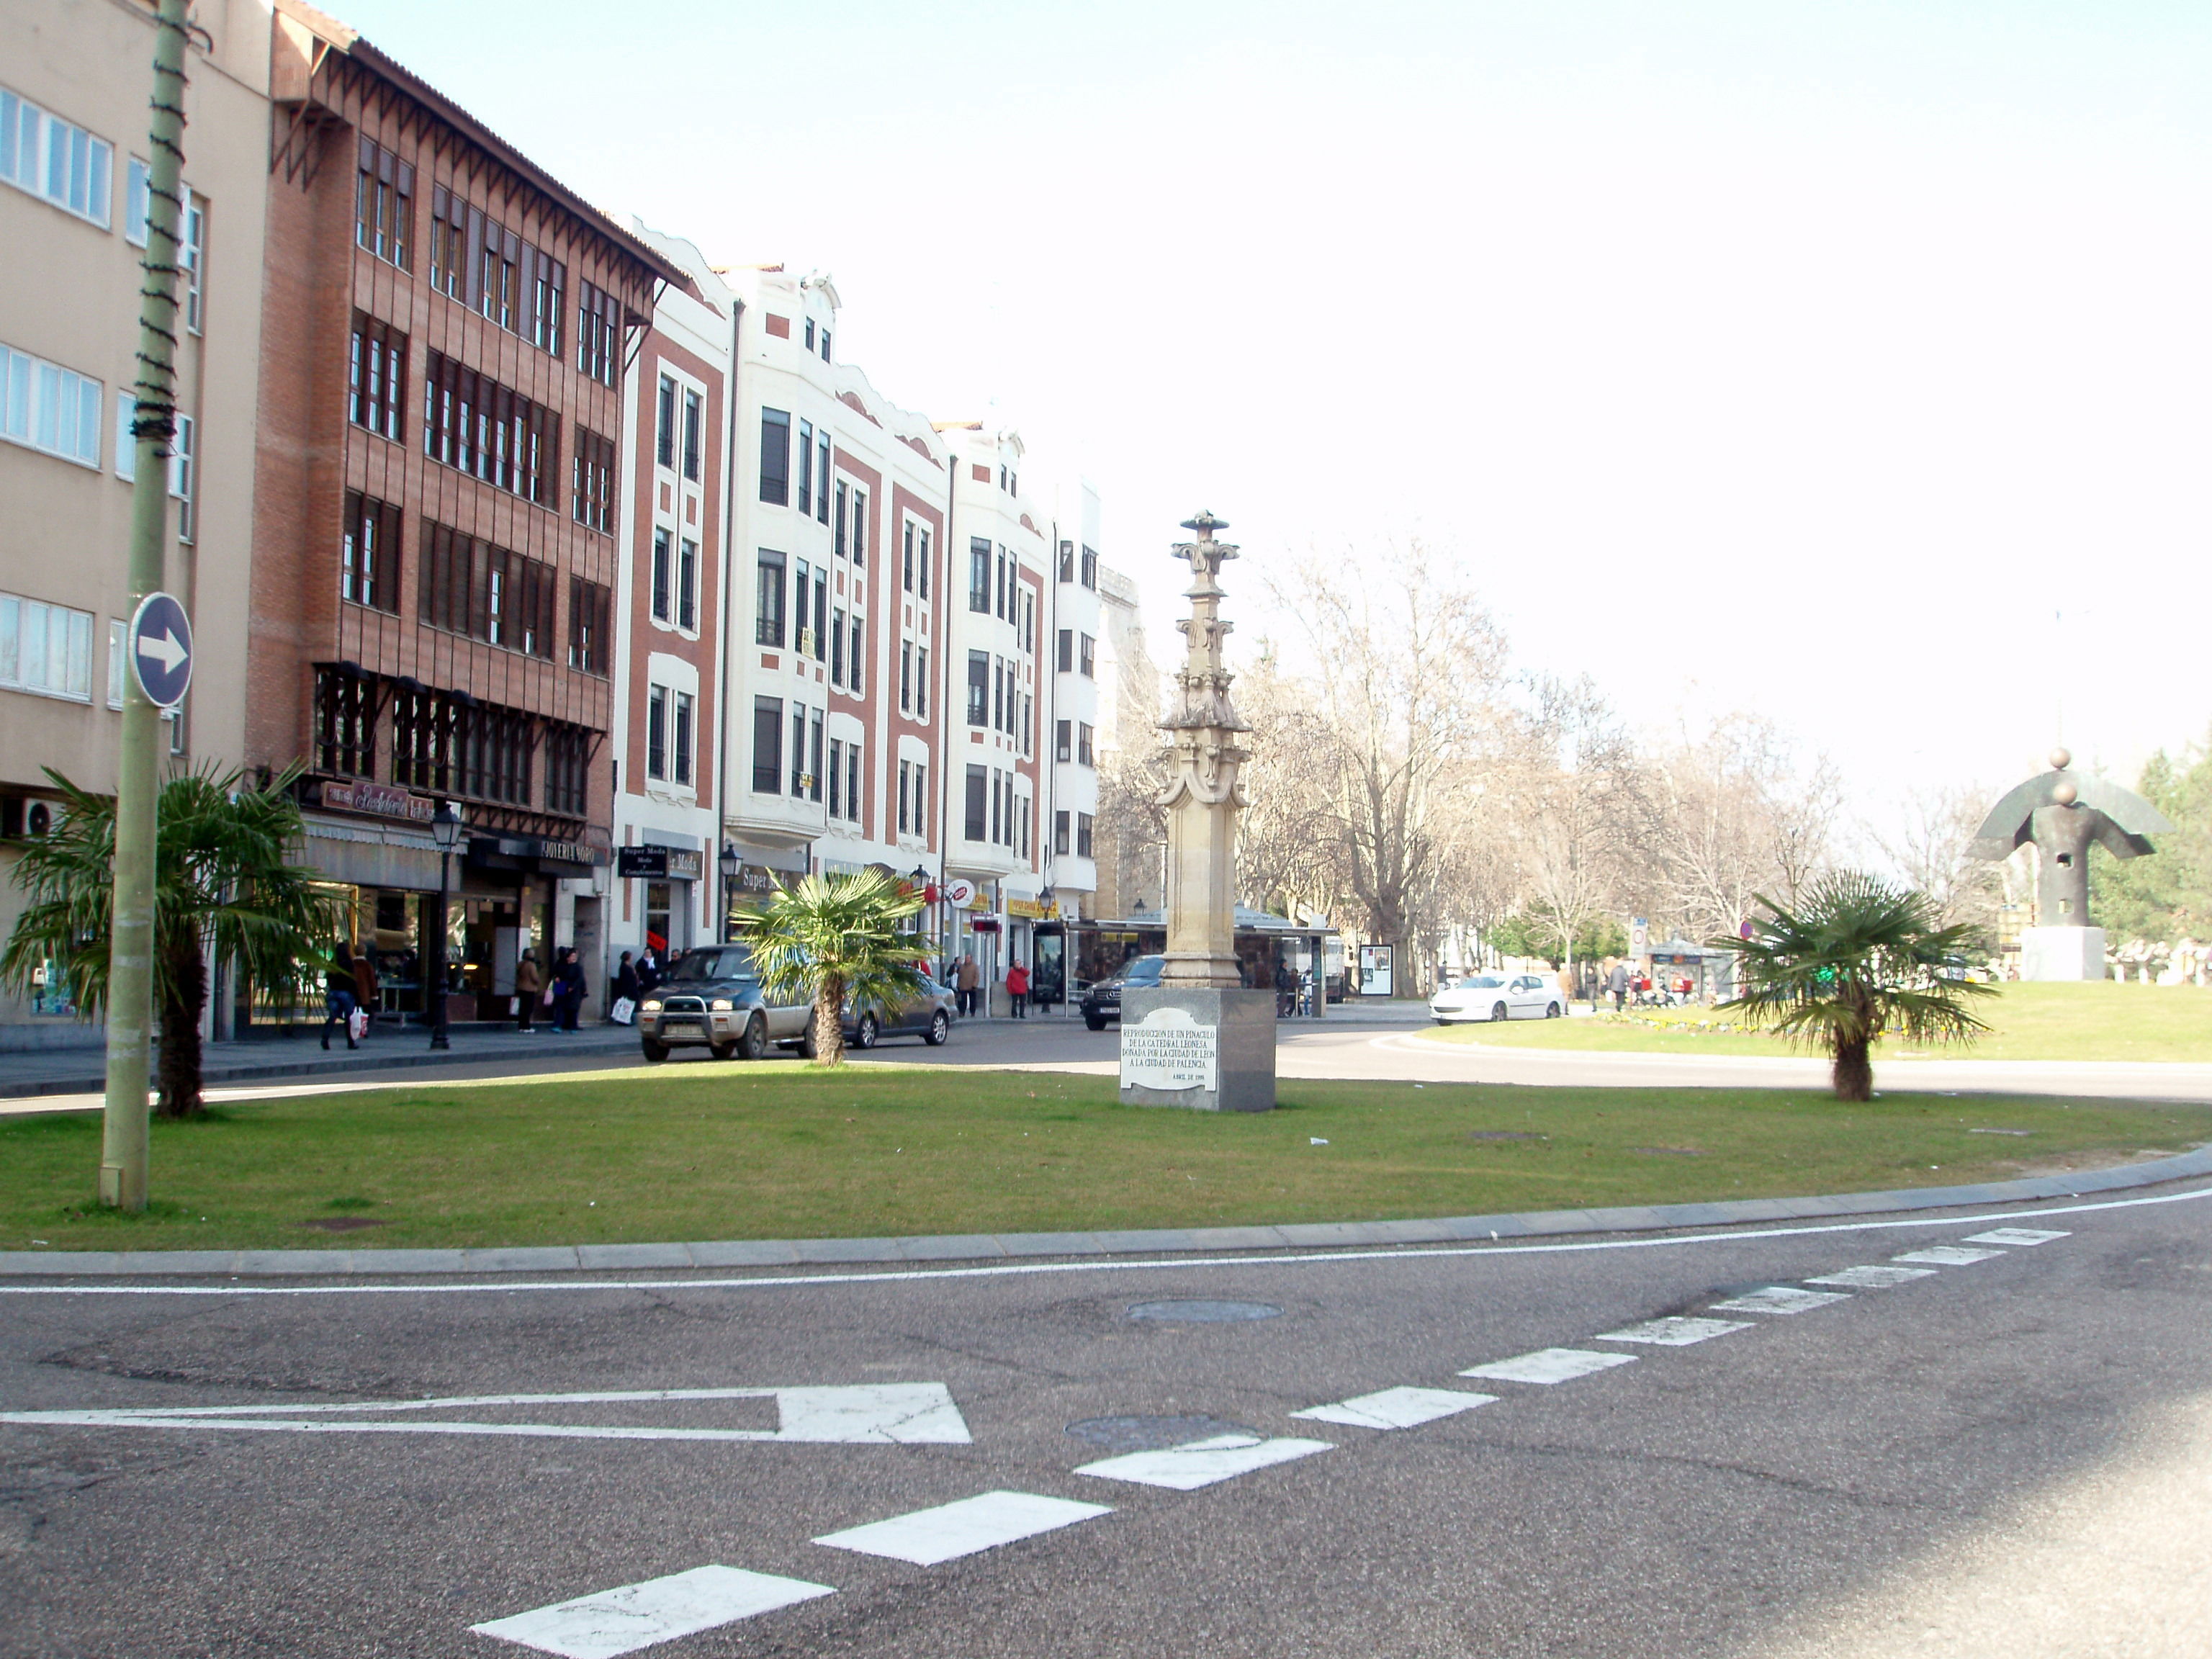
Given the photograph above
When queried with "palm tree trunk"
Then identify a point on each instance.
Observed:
(184, 995)
(829, 1022)
(1853, 1071)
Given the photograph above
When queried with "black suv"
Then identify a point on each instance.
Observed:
(1102, 1002)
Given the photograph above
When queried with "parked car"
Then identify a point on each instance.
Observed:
(928, 1016)
(713, 999)
(1102, 1002)
(1499, 996)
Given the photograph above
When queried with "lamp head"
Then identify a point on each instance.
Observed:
(446, 826)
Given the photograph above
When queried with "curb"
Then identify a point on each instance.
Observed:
(996, 1247)
(93, 1083)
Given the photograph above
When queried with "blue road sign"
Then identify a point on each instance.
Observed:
(161, 649)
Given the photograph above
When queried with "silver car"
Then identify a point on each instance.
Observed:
(713, 999)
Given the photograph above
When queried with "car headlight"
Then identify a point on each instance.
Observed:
(652, 1007)
(721, 1005)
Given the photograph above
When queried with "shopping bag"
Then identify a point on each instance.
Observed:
(513, 1006)
(357, 1024)
(623, 1011)
(546, 1001)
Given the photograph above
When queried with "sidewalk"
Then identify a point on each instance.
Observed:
(84, 1071)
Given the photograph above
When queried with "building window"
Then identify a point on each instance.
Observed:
(383, 203)
(513, 283)
(979, 793)
(825, 345)
(656, 732)
(664, 552)
(346, 724)
(471, 587)
(814, 783)
(592, 481)
(906, 677)
(775, 457)
(853, 675)
(184, 482)
(979, 687)
(1090, 568)
(768, 605)
(1000, 592)
(921, 683)
(369, 558)
(687, 586)
(979, 574)
(599, 334)
(821, 651)
(56, 161)
(860, 528)
(799, 778)
(590, 607)
(924, 567)
(376, 376)
(906, 557)
(822, 474)
(694, 411)
(1067, 562)
(1059, 833)
(767, 746)
(46, 648)
(567, 757)
(1083, 756)
(48, 407)
(1029, 624)
(837, 648)
(663, 425)
(1084, 825)
(853, 781)
(489, 431)
(1066, 660)
(809, 334)
(998, 722)
(683, 739)
(838, 522)
(836, 778)
(906, 780)
(191, 259)
(449, 240)
(806, 468)
(1063, 746)
(1086, 661)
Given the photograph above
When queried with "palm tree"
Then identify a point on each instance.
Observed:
(221, 888)
(833, 939)
(1856, 958)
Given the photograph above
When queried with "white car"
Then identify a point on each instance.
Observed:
(1499, 996)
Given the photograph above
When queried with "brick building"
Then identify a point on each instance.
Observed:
(440, 449)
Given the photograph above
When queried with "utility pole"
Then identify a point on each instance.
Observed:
(124, 1138)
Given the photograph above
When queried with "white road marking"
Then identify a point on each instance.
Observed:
(1874, 1278)
(1027, 1269)
(1549, 1365)
(2016, 1236)
(879, 1413)
(1202, 1462)
(966, 1528)
(1396, 1408)
(1781, 1299)
(634, 1616)
(1947, 1255)
(1674, 1331)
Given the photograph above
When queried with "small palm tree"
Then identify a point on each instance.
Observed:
(1856, 958)
(222, 887)
(836, 939)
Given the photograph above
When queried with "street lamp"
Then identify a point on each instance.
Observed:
(445, 828)
(729, 863)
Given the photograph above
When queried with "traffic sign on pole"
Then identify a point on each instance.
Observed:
(161, 649)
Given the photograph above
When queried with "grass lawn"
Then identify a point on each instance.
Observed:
(2099, 1020)
(780, 1150)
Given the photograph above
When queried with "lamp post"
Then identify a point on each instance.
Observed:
(446, 827)
(728, 863)
(920, 880)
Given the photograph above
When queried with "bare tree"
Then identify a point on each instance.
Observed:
(1581, 805)
(1926, 842)
(1740, 819)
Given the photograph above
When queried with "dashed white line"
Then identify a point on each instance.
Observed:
(965, 1528)
(2015, 1236)
(1203, 1462)
(1674, 1331)
(1874, 1278)
(1947, 1255)
(1781, 1299)
(1549, 1365)
(1396, 1408)
(634, 1616)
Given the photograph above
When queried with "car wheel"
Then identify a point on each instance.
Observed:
(1498, 1011)
(1095, 1022)
(940, 1027)
(807, 1048)
(864, 1034)
(754, 1043)
(1552, 1011)
(723, 1050)
(654, 1051)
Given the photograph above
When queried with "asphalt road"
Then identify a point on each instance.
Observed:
(2007, 1455)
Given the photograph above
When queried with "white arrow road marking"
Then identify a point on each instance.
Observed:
(634, 1616)
(1396, 1408)
(966, 1528)
(168, 651)
(883, 1414)
(1202, 1462)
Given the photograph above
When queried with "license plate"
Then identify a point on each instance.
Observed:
(688, 1022)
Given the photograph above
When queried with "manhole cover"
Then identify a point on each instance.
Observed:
(1128, 1434)
(1204, 1313)
(341, 1224)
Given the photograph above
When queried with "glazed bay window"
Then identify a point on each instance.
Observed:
(921, 683)
(55, 160)
(592, 481)
(687, 585)
(695, 417)
(1086, 660)
(567, 762)
(664, 559)
(46, 648)
(664, 424)
(806, 468)
(861, 527)
(1063, 745)
(47, 407)
(383, 203)
(906, 677)
(680, 739)
(376, 376)
(978, 825)
(1066, 660)
(599, 334)
(821, 472)
(345, 724)
(979, 687)
(489, 431)
(656, 732)
(767, 746)
(368, 555)
(768, 605)
(979, 574)
(1085, 828)
(853, 678)
(1083, 751)
(591, 608)
(775, 458)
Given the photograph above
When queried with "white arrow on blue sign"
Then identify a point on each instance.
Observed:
(161, 649)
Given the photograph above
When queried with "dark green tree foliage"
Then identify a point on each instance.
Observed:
(1531, 933)
(1856, 958)
(221, 888)
(2166, 895)
(836, 939)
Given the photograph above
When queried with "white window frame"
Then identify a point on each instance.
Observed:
(28, 385)
(75, 640)
(184, 477)
(29, 133)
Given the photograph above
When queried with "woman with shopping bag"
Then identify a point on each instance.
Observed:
(529, 985)
(338, 998)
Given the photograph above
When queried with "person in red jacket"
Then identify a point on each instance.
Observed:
(1017, 989)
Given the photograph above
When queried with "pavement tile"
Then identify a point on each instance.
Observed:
(746, 1253)
(61, 1261)
(633, 1255)
(950, 1247)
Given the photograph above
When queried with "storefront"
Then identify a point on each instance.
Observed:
(661, 897)
(1273, 952)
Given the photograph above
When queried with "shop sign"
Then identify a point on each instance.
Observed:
(1028, 909)
(757, 878)
(378, 800)
(541, 846)
(641, 863)
(960, 895)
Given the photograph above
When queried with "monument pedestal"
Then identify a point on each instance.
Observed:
(2062, 953)
(1205, 1049)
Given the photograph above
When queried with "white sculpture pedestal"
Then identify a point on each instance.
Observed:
(2061, 954)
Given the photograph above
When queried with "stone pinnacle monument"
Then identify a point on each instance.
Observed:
(2063, 813)
(1200, 1040)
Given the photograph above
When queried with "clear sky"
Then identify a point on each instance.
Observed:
(1806, 357)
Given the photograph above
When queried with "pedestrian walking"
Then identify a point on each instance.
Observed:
(969, 978)
(364, 985)
(569, 990)
(529, 986)
(339, 996)
(1017, 989)
(1617, 983)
